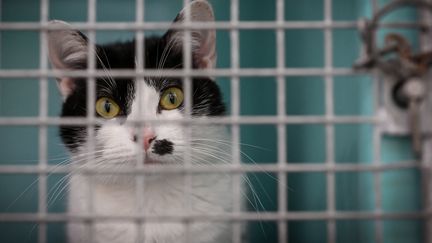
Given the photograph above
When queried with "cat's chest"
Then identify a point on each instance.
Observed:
(123, 198)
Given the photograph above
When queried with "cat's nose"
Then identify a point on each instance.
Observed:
(148, 137)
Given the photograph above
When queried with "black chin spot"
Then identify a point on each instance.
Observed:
(162, 147)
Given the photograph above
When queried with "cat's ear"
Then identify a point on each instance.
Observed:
(67, 49)
(203, 40)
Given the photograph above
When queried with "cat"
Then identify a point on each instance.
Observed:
(117, 143)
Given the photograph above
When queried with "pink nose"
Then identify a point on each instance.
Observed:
(149, 136)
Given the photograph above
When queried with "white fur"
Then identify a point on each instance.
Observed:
(163, 194)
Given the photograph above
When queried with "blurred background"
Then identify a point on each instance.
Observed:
(305, 96)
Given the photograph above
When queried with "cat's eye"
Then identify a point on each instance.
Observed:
(171, 98)
(107, 108)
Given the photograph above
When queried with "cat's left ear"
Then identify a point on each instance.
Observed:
(203, 40)
(67, 50)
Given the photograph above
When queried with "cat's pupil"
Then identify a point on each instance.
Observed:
(107, 106)
(172, 98)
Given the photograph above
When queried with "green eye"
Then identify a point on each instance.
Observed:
(171, 98)
(107, 108)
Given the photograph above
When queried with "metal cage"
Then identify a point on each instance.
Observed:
(376, 218)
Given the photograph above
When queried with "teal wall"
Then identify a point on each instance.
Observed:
(305, 96)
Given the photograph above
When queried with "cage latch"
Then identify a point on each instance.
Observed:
(405, 75)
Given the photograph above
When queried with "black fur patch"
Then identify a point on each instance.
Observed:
(162, 147)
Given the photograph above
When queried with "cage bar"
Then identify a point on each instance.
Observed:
(169, 169)
(235, 113)
(187, 90)
(244, 72)
(1, 19)
(43, 113)
(31, 121)
(226, 25)
(91, 97)
(281, 128)
(377, 133)
(222, 217)
(329, 127)
(139, 67)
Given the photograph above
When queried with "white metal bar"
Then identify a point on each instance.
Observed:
(31, 121)
(187, 90)
(220, 217)
(91, 60)
(224, 25)
(377, 150)
(269, 166)
(91, 98)
(91, 63)
(328, 56)
(281, 128)
(1, 65)
(1, 20)
(139, 67)
(235, 113)
(377, 161)
(139, 37)
(131, 73)
(43, 113)
(187, 59)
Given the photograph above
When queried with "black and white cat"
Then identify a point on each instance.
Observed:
(117, 144)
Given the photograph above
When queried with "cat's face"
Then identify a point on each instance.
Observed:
(119, 100)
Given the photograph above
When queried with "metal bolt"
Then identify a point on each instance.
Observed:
(414, 88)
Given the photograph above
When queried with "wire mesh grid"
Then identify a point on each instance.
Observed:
(235, 120)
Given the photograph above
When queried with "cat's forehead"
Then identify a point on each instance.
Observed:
(161, 83)
(128, 87)
(146, 100)
(122, 55)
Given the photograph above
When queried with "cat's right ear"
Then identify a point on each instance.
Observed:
(203, 41)
(67, 49)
